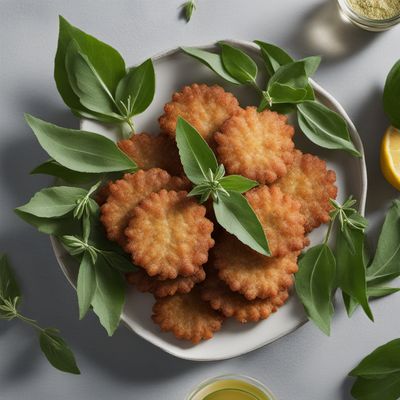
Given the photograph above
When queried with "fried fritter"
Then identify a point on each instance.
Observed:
(169, 235)
(257, 145)
(125, 195)
(250, 273)
(232, 304)
(204, 107)
(187, 316)
(149, 151)
(162, 288)
(281, 219)
(309, 182)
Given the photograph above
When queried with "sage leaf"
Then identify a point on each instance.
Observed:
(118, 261)
(53, 168)
(386, 262)
(311, 64)
(324, 127)
(79, 150)
(350, 266)
(9, 289)
(292, 75)
(87, 84)
(235, 215)
(108, 63)
(212, 61)
(86, 284)
(57, 351)
(279, 93)
(237, 183)
(381, 291)
(387, 388)
(314, 285)
(136, 89)
(273, 56)
(238, 64)
(391, 95)
(109, 296)
(55, 201)
(196, 155)
(189, 6)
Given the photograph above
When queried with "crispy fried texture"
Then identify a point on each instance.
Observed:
(235, 305)
(149, 151)
(256, 145)
(187, 316)
(125, 195)
(204, 107)
(309, 182)
(250, 273)
(169, 235)
(281, 219)
(162, 288)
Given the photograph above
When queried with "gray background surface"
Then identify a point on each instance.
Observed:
(303, 365)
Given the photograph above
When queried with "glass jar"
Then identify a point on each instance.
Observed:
(369, 24)
(211, 386)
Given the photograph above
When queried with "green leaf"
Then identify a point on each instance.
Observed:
(79, 150)
(386, 262)
(273, 56)
(196, 155)
(118, 261)
(190, 6)
(136, 89)
(237, 183)
(212, 61)
(381, 291)
(238, 64)
(311, 64)
(391, 95)
(55, 201)
(280, 94)
(86, 284)
(9, 289)
(387, 388)
(57, 351)
(87, 84)
(109, 297)
(53, 168)
(315, 283)
(324, 127)
(51, 226)
(292, 75)
(236, 216)
(350, 266)
(108, 63)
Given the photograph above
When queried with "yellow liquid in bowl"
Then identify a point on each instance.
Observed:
(230, 389)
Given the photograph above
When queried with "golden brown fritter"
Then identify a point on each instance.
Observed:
(204, 107)
(149, 151)
(281, 219)
(257, 145)
(167, 287)
(309, 182)
(187, 316)
(125, 195)
(250, 273)
(235, 305)
(169, 235)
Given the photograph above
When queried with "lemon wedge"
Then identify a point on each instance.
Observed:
(390, 156)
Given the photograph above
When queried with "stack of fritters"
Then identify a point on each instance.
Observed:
(168, 234)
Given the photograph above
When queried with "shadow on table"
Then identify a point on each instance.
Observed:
(326, 32)
(346, 388)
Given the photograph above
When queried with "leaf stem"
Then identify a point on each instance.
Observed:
(329, 231)
(29, 321)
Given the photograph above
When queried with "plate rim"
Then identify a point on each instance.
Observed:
(361, 206)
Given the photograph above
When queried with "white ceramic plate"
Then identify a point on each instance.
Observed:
(174, 70)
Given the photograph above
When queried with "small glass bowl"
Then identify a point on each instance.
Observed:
(203, 385)
(369, 24)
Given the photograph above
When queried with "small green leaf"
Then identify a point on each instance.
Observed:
(212, 61)
(109, 297)
(324, 127)
(190, 6)
(314, 285)
(57, 351)
(292, 75)
(235, 215)
(86, 284)
(280, 94)
(136, 89)
(381, 291)
(273, 56)
(196, 155)
(9, 289)
(237, 183)
(391, 95)
(238, 64)
(55, 201)
(79, 150)
(311, 64)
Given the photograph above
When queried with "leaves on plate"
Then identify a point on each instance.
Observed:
(273, 56)
(86, 284)
(237, 183)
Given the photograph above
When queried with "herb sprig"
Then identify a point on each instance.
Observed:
(52, 344)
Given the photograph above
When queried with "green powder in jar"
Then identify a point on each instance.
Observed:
(376, 9)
